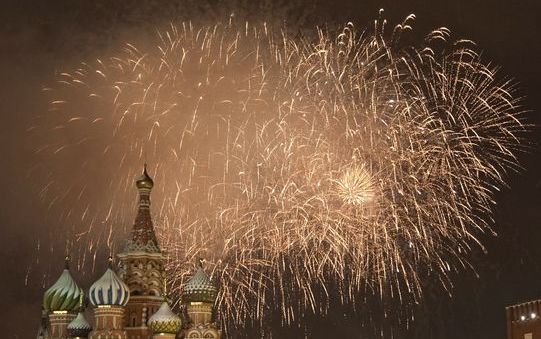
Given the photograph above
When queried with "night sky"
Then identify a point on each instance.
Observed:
(41, 38)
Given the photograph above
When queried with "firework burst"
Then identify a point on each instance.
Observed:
(355, 187)
(350, 163)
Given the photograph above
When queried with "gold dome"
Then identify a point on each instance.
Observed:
(144, 181)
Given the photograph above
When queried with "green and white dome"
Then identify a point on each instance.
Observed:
(199, 288)
(79, 327)
(165, 321)
(63, 295)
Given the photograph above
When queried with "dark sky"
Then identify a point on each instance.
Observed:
(39, 38)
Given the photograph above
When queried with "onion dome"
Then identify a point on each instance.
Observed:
(164, 320)
(64, 294)
(144, 181)
(199, 288)
(109, 290)
(79, 327)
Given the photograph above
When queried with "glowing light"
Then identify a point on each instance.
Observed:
(355, 186)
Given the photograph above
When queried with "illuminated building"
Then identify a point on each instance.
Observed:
(142, 265)
(131, 303)
(60, 302)
(199, 295)
(523, 321)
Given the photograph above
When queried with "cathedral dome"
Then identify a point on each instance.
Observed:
(109, 290)
(63, 295)
(199, 288)
(144, 181)
(79, 327)
(165, 321)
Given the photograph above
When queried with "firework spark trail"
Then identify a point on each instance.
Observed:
(298, 168)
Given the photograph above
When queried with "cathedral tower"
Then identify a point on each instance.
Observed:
(60, 302)
(79, 328)
(164, 323)
(109, 295)
(142, 266)
(199, 295)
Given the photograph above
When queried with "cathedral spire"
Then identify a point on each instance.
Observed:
(142, 266)
(144, 182)
(143, 236)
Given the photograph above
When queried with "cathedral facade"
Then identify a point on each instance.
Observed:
(131, 302)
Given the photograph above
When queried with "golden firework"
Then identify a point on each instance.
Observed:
(252, 134)
(355, 186)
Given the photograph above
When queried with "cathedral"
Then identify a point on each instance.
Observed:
(131, 302)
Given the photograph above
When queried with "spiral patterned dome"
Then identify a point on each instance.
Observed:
(109, 290)
(79, 327)
(199, 288)
(165, 321)
(63, 295)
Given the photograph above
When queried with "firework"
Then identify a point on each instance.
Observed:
(346, 164)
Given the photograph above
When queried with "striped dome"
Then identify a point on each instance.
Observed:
(109, 290)
(63, 295)
(199, 288)
(165, 321)
(79, 327)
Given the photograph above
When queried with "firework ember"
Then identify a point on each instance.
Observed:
(350, 163)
